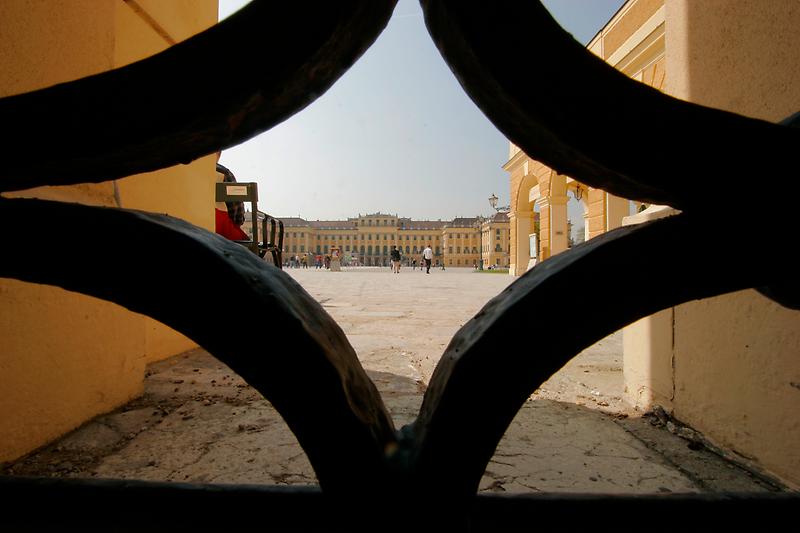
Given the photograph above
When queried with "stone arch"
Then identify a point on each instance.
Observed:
(579, 192)
(521, 220)
(521, 201)
(553, 214)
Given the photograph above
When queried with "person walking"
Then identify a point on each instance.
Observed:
(395, 256)
(427, 255)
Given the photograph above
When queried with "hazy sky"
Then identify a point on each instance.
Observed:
(395, 134)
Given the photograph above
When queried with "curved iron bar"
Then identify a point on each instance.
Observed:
(276, 57)
(480, 384)
(549, 95)
(188, 278)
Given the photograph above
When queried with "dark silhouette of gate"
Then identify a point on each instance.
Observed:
(281, 56)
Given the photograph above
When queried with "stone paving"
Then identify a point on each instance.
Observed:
(199, 422)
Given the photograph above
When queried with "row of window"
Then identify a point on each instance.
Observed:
(458, 250)
(392, 236)
(382, 222)
(408, 250)
(383, 236)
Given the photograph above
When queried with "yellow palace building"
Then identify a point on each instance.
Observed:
(368, 239)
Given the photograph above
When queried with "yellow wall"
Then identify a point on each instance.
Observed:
(67, 357)
(648, 362)
(736, 356)
(144, 28)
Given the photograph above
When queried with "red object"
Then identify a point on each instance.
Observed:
(227, 228)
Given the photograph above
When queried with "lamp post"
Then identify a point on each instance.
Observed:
(493, 202)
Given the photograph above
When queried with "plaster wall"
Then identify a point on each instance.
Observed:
(648, 344)
(596, 219)
(67, 357)
(144, 28)
(616, 210)
(736, 356)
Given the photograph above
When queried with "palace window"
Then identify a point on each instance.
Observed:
(302, 247)
(294, 247)
(449, 249)
(458, 250)
(408, 250)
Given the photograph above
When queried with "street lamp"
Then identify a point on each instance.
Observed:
(493, 202)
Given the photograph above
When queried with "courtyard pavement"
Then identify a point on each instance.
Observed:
(199, 422)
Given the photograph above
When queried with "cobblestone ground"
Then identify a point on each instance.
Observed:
(199, 422)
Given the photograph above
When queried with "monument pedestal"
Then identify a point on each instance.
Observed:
(336, 259)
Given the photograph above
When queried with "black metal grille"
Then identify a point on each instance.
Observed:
(119, 123)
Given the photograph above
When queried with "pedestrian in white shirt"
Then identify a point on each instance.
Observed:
(427, 254)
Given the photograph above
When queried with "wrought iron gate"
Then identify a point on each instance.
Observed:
(280, 57)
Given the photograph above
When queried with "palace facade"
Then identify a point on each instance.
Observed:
(367, 239)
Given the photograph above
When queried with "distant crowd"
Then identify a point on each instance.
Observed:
(424, 261)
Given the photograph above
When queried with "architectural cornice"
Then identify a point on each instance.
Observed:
(514, 161)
